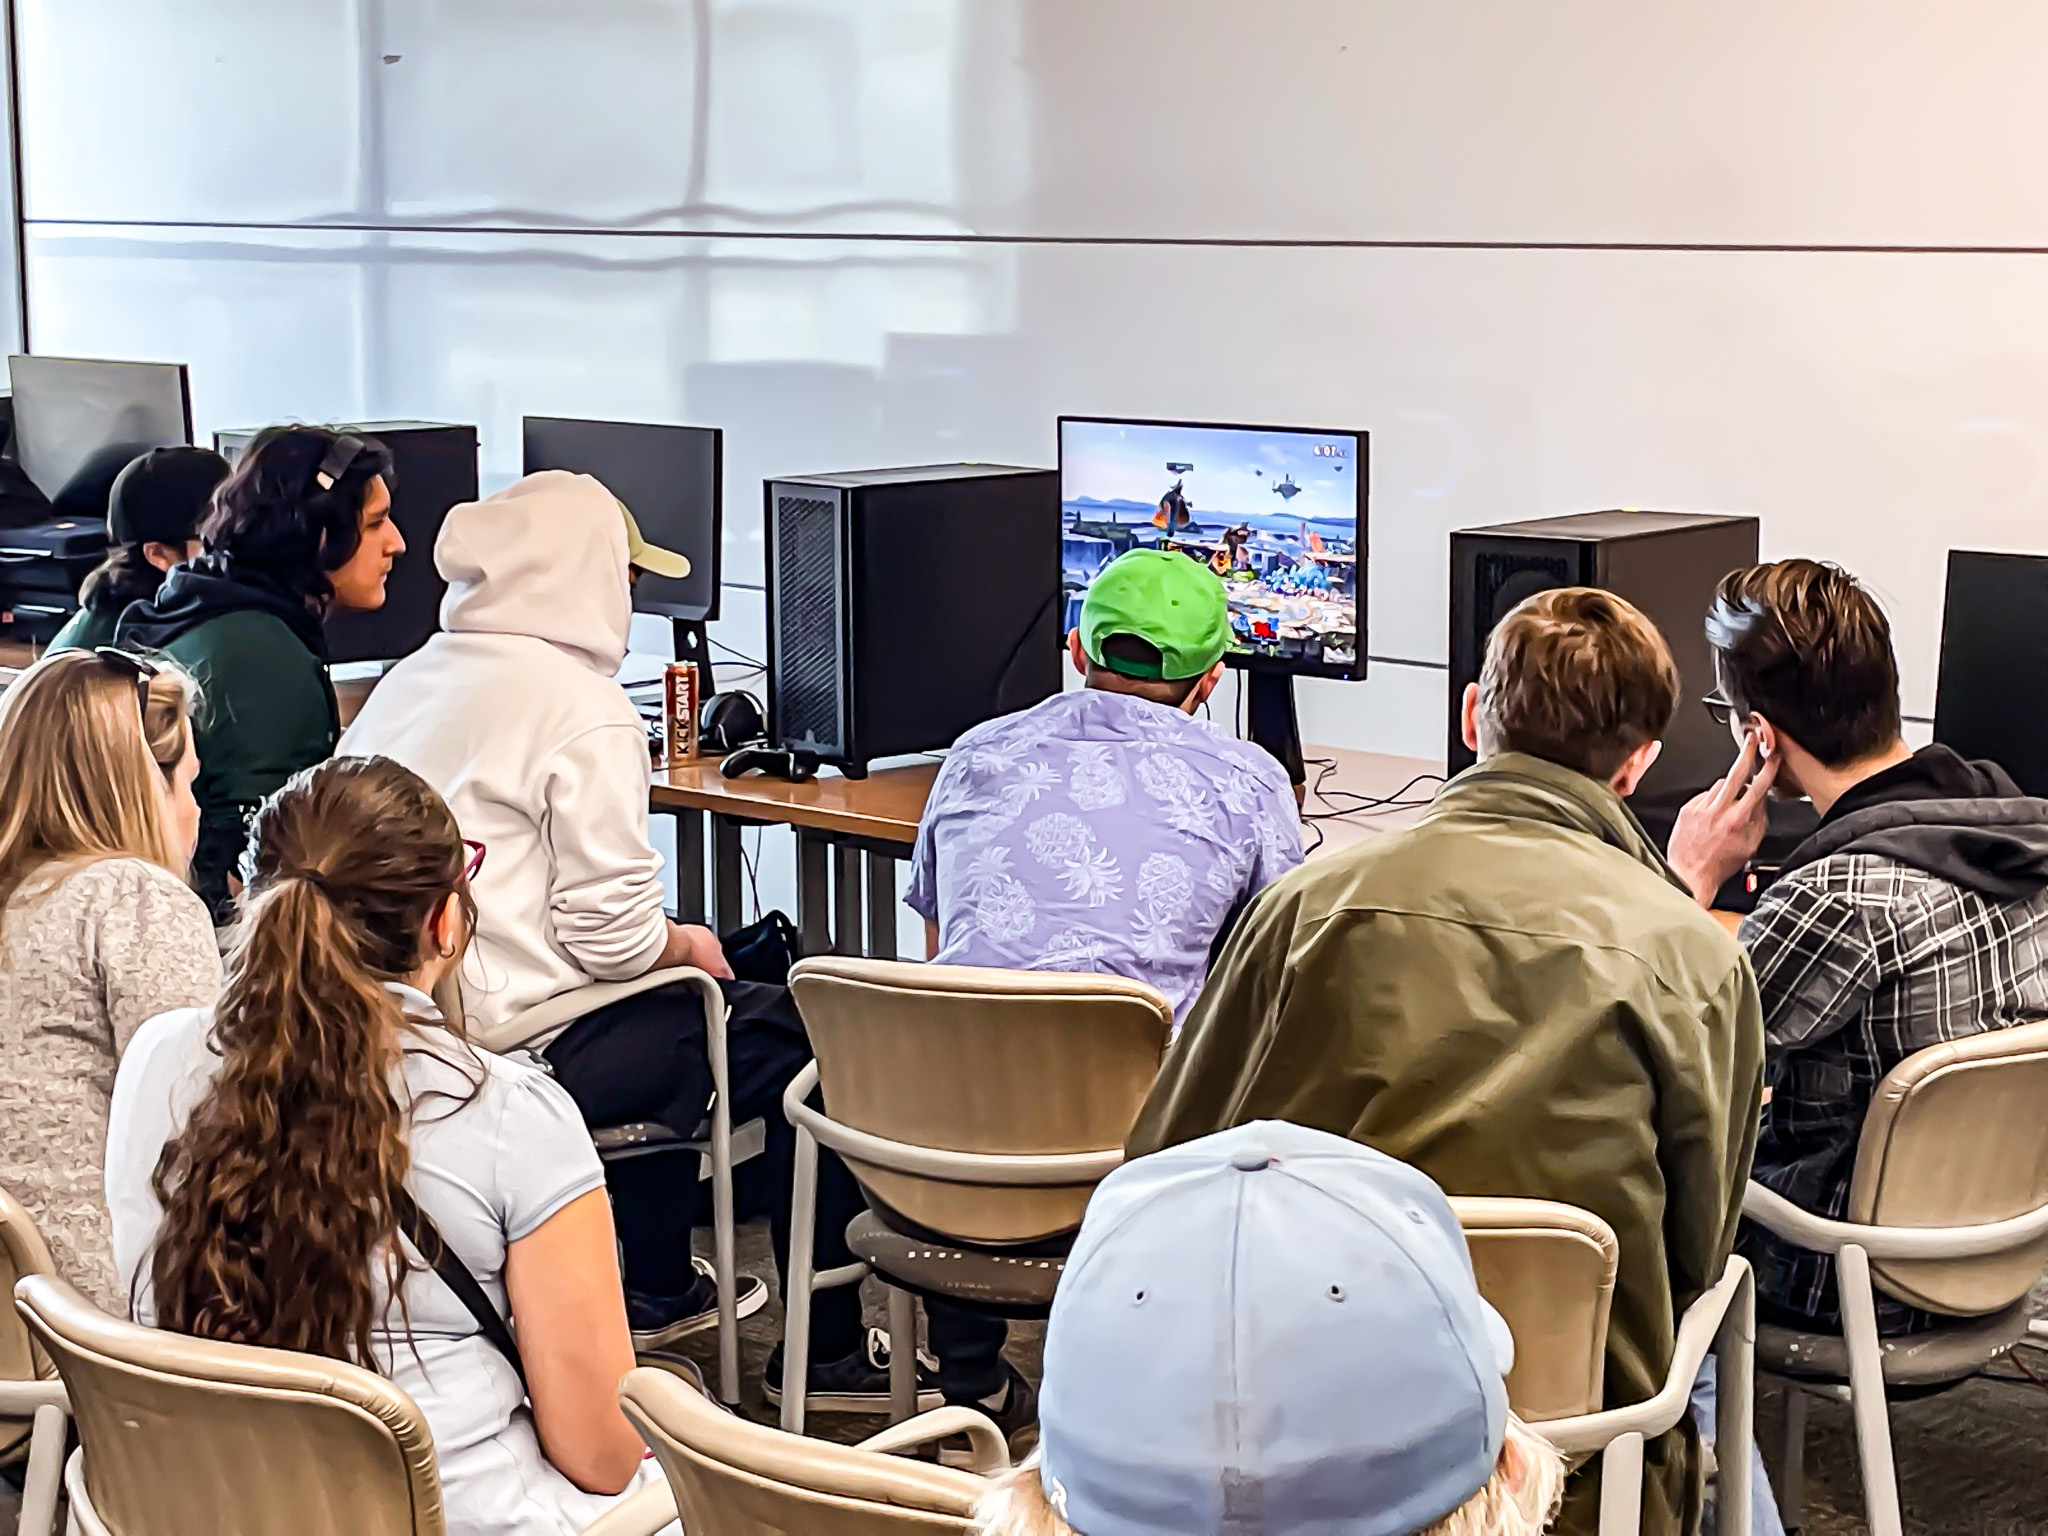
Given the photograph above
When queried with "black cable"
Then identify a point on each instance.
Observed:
(750, 862)
(740, 656)
(1367, 804)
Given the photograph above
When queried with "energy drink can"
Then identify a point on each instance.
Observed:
(679, 713)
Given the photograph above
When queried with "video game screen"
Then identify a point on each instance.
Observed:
(1276, 512)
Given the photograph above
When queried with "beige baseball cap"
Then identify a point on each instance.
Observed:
(651, 558)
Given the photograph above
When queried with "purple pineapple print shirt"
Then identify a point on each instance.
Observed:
(1099, 832)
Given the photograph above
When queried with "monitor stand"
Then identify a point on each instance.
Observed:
(693, 644)
(1269, 713)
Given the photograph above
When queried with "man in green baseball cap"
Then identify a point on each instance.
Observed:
(1103, 829)
(1154, 623)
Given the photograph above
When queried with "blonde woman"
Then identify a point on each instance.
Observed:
(98, 929)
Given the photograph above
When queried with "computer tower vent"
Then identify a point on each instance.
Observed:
(1504, 581)
(808, 624)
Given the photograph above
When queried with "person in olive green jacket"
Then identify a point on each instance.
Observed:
(1518, 997)
(302, 527)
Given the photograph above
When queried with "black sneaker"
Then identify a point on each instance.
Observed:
(658, 1321)
(857, 1384)
(1013, 1406)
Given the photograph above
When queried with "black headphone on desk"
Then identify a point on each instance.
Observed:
(728, 721)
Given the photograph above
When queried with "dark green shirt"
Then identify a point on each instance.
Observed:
(267, 710)
(86, 630)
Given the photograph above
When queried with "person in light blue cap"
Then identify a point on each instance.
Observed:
(1274, 1331)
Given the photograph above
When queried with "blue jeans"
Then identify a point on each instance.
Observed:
(1763, 1509)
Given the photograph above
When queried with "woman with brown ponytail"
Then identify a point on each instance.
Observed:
(263, 1152)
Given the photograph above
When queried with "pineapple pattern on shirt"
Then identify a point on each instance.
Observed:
(1099, 832)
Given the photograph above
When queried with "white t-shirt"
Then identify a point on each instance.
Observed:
(488, 1172)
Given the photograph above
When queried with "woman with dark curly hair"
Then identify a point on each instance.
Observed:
(301, 528)
(278, 1164)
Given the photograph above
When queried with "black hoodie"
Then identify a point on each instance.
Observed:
(1960, 821)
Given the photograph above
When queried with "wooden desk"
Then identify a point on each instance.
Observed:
(16, 657)
(863, 826)
(858, 828)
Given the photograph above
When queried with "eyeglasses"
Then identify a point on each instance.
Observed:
(141, 669)
(476, 859)
(1720, 707)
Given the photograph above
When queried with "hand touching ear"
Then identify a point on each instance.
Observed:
(1721, 828)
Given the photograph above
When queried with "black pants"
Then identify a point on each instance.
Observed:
(644, 1059)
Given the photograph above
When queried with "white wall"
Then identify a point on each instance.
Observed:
(1790, 260)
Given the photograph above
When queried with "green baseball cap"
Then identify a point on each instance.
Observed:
(1165, 598)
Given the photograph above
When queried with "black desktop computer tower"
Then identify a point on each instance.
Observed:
(1665, 563)
(434, 466)
(907, 605)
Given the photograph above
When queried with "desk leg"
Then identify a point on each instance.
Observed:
(881, 906)
(690, 906)
(847, 893)
(813, 893)
(727, 865)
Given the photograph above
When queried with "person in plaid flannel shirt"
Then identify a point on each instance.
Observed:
(1917, 913)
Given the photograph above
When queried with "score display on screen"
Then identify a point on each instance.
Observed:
(1276, 512)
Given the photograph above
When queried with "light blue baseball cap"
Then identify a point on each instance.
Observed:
(1271, 1330)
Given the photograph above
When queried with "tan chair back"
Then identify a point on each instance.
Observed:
(1957, 1135)
(1548, 1270)
(732, 1477)
(185, 1437)
(964, 1059)
(22, 1252)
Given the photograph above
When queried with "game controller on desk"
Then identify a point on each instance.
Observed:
(776, 762)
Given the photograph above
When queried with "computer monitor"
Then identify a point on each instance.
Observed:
(1994, 663)
(75, 417)
(1278, 512)
(670, 479)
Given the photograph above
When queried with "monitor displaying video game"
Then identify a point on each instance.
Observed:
(1278, 512)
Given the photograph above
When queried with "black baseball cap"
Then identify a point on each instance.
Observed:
(161, 496)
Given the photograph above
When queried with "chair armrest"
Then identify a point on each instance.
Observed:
(642, 1514)
(567, 1007)
(1590, 1432)
(990, 1449)
(1002, 1169)
(85, 1520)
(1773, 1211)
(20, 1399)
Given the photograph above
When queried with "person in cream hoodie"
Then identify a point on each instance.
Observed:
(514, 714)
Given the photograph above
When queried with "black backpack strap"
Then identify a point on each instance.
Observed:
(426, 1237)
